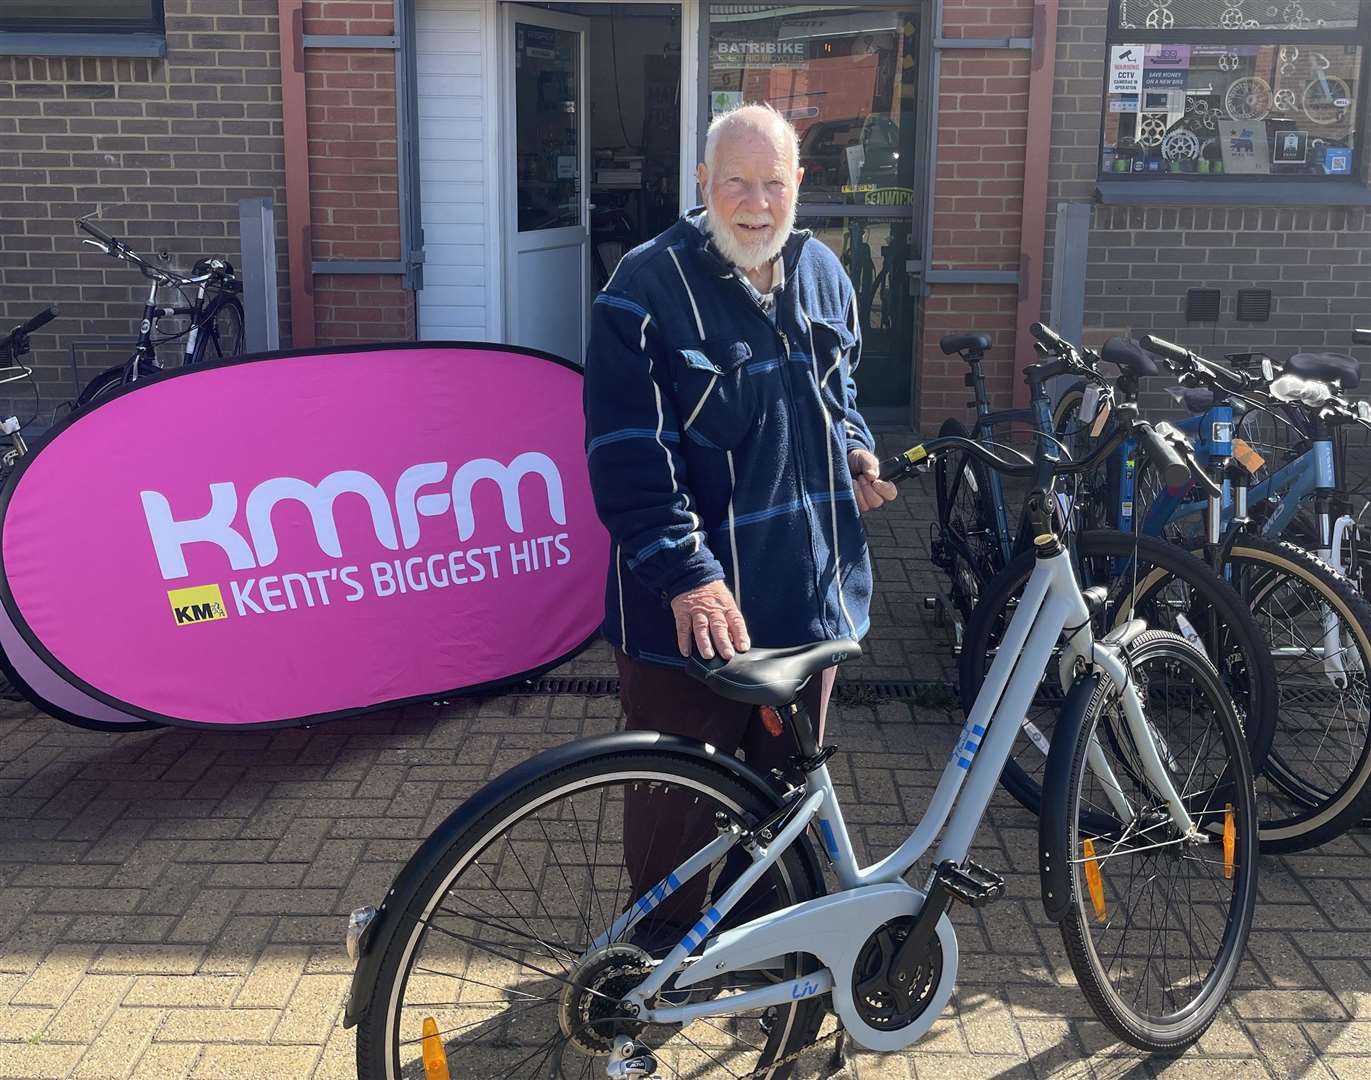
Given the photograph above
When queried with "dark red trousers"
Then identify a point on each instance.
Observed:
(661, 828)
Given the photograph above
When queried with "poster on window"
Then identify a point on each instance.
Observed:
(1244, 146)
(338, 531)
(1125, 69)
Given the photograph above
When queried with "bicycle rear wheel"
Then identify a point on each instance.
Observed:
(506, 945)
(1157, 921)
(1173, 591)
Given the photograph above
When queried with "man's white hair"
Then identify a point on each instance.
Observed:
(754, 117)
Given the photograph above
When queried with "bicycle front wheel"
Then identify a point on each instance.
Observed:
(968, 547)
(220, 333)
(1158, 919)
(511, 953)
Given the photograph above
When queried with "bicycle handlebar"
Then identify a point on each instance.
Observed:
(40, 320)
(1185, 362)
(1165, 458)
(97, 232)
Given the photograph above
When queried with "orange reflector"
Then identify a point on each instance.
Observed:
(1093, 881)
(435, 1057)
(771, 720)
(1230, 841)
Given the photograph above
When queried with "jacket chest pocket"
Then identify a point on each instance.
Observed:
(715, 399)
(833, 344)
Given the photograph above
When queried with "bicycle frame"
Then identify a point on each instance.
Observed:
(146, 347)
(835, 927)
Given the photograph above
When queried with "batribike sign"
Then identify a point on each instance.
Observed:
(301, 536)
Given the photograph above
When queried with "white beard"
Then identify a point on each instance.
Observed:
(739, 249)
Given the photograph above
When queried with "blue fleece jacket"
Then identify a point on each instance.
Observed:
(717, 442)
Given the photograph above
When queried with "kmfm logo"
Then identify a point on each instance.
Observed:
(170, 535)
(200, 603)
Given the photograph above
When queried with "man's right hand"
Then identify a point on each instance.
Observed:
(709, 616)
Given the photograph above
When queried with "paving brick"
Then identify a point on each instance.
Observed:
(312, 1009)
(255, 1062)
(273, 976)
(218, 1025)
(165, 1061)
(37, 1061)
(87, 1008)
(54, 978)
(121, 1041)
(183, 990)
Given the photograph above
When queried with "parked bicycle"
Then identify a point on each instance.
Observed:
(208, 301)
(532, 933)
(14, 346)
(989, 565)
(1316, 779)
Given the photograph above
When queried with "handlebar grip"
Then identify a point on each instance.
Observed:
(41, 319)
(95, 231)
(1047, 336)
(1164, 457)
(901, 466)
(1361, 337)
(1162, 347)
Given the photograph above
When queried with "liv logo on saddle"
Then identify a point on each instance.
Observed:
(368, 530)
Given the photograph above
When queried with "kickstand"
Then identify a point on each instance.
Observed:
(837, 1060)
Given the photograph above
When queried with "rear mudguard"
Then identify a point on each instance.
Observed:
(1054, 864)
(378, 935)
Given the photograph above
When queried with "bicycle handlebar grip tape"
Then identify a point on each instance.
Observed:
(41, 319)
(902, 466)
(1162, 347)
(1164, 457)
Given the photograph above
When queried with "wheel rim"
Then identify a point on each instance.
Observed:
(492, 958)
(1320, 742)
(1172, 919)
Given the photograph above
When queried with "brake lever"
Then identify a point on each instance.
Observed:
(100, 245)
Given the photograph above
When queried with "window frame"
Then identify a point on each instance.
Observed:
(66, 36)
(1361, 37)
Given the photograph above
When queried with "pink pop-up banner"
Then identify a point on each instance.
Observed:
(296, 537)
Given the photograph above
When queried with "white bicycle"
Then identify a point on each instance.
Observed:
(639, 905)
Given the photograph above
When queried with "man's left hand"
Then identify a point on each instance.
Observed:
(872, 491)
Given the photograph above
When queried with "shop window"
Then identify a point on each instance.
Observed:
(81, 16)
(1234, 89)
(843, 74)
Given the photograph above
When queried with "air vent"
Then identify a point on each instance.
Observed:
(1202, 305)
(1254, 305)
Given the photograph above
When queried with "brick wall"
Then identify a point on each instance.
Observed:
(1142, 260)
(354, 180)
(166, 147)
(978, 203)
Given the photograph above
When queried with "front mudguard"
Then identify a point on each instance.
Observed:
(1054, 863)
(376, 939)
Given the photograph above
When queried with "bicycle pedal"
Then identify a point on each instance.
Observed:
(971, 883)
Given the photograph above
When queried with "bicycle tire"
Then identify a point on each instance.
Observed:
(209, 343)
(1245, 642)
(966, 522)
(1227, 784)
(101, 386)
(794, 876)
(1259, 565)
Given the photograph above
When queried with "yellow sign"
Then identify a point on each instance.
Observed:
(197, 604)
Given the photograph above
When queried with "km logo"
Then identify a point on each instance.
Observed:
(202, 603)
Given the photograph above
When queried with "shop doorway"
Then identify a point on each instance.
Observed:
(591, 96)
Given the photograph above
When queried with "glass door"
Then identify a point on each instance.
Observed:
(547, 245)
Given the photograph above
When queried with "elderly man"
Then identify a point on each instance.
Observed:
(727, 456)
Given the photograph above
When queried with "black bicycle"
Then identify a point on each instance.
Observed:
(14, 346)
(209, 301)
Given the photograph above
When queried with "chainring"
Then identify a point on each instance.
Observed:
(874, 981)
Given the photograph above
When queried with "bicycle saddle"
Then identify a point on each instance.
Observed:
(1127, 355)
(1196, 399)
(770, 676)
(1326, 367)
(955, 343)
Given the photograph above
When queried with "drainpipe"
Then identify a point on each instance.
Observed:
(299, 256)
(1037, 164)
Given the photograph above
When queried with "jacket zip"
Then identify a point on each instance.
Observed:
(800, 451)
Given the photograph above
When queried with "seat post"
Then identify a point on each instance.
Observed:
(801, 726)
(975, 379)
